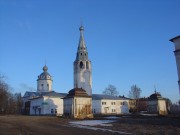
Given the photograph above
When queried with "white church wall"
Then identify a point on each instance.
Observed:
(54, 105)
(46, 106)
(162, 107)
(35, 106)
(81, 104)
(44, 85)
(68, 106)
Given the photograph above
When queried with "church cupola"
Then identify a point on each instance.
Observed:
(82, 66)
(44, 81)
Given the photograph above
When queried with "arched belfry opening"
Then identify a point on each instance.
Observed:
(81, 64)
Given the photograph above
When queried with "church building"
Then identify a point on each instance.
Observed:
(44, 101)
(79, 102)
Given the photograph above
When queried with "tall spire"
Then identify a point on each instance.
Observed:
(82, 53)
(81, 40)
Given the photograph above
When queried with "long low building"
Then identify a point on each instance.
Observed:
(52, 103)
(106, 104)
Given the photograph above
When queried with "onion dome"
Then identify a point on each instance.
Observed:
(45, 68)
(81, 28)
(45, 75)
(156, 95)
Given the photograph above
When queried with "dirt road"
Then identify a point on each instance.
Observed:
(46, 125)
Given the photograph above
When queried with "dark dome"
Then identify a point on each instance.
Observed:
(45, 68)
(156, 95)
(81, 28)
(77, 92)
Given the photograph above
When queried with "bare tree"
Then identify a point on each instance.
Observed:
(111, 90)
(9, 103)
(4, 94)
(134, 94)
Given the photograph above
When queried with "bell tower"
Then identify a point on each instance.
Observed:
(176, 41)
(82, 66)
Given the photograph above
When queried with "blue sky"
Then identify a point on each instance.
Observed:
(127, 40)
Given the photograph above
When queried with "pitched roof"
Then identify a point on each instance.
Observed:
(102, 96)
(33, 95)
(77, 92)
(172, 40)
(30, 93)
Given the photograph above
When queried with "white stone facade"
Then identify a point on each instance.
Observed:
(83, 75)
(46, 106)
(110, 106)
(44, 85)
(44, 81)
(77, 107)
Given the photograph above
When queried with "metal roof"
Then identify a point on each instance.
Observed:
(41, 94)
(102, 96)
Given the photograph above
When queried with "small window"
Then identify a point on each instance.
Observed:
(87, 65)
(52, 111)
(55, 111)
(113, 110)
(81, 64)
(81, 54)
(42, 84)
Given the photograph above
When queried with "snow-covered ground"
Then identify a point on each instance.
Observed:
(89, 124)
(93, 122)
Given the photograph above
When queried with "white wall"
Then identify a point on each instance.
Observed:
(106, 106)
(37, 102)
(45, 87)
(83, 76)
(68, 106)
(162, 106)
(48, 105)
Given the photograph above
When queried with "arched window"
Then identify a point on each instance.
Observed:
(42, 86)
(81, 64)
(87, 65)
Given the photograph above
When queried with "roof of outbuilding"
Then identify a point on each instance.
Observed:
(77, 92)
(102, 96)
